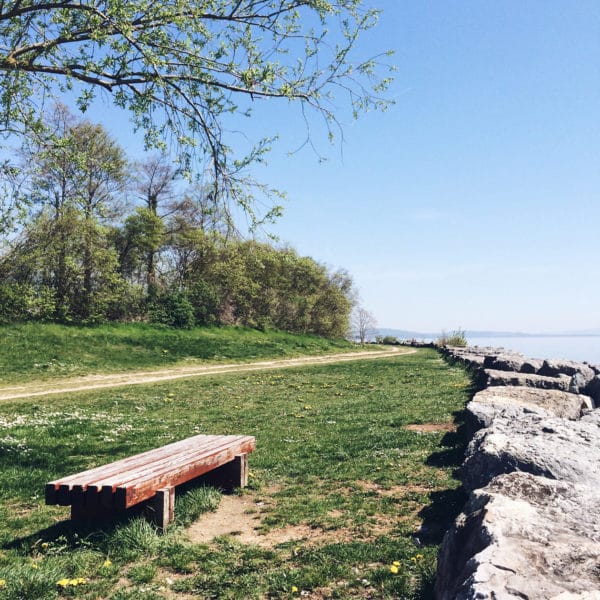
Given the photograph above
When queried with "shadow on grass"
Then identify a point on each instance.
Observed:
(454, 444)
(74, 534)
(97, 531)
(445, 505)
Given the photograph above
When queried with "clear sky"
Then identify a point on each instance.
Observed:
(474, 200)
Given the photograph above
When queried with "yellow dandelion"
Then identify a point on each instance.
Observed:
(419, 557)
(45, 545)
(294, 589)
(413, 558)
(394, 569)
(2, 583)
(396, 563)
(63, 582)
(107, 563)
(35, 566)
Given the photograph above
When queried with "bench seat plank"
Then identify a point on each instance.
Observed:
(223, 452)
(143, 489)
(121, 465)
(99, 477)
(131, 480)
(134, 470)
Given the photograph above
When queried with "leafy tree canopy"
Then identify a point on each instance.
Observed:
(180, 67)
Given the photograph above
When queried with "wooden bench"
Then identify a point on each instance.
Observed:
(151, 477)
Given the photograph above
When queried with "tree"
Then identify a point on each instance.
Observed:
(155, 185)
(197, 209)
(182, 69)
(140, 237)
(75, 166)
(75, 163)
(364, 323)
(101, 167)
(51, 255)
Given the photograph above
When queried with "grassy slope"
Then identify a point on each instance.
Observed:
(45, 351)
(332, 453)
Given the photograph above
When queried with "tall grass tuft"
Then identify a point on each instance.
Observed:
(24, 582)
(134, 539)
(456, 338)
(195, 502)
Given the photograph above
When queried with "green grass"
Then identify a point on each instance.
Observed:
(333, 454)
(37, 351)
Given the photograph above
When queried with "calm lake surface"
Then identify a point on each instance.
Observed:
(580, 348)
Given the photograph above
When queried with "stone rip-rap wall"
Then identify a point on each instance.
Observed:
(531, 526)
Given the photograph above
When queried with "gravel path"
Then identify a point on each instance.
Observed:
(95, 382)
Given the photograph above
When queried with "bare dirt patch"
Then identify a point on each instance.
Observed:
(240, 517)
(431, 427)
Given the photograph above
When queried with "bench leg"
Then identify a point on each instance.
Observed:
(86, 514)
(86, 508)
(231, 475)
(160, 509)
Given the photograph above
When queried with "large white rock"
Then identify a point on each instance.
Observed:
(493, 377)
(512, 361)
(515, 401)
(547, 446)
(530, 529)
(523, 537)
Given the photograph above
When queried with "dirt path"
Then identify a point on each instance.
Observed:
(95, 382)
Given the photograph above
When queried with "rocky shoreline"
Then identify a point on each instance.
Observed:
(529, 529)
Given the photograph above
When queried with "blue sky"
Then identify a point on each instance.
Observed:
(473, 201)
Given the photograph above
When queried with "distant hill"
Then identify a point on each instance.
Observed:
(405, 334)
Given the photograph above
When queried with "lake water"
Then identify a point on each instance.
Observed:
(580, 348)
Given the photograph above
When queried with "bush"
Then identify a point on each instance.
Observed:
(23, 302)
(129, 306)
(174, 309)
(456, 338)
(205, 301)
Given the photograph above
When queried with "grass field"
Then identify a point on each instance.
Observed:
(48, 351)
(335, 466)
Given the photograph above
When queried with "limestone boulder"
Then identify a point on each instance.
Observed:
(472, 357)
(504, 362)
(512, 361)
(493, 377)
(534, 443)
(592, 389)
(553, 368)
(580, 381)
(523, 537)
(516, 401)
(473, 361)
(495, 358)
(531, 365)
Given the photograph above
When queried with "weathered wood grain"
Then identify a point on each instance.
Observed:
(127, 482)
